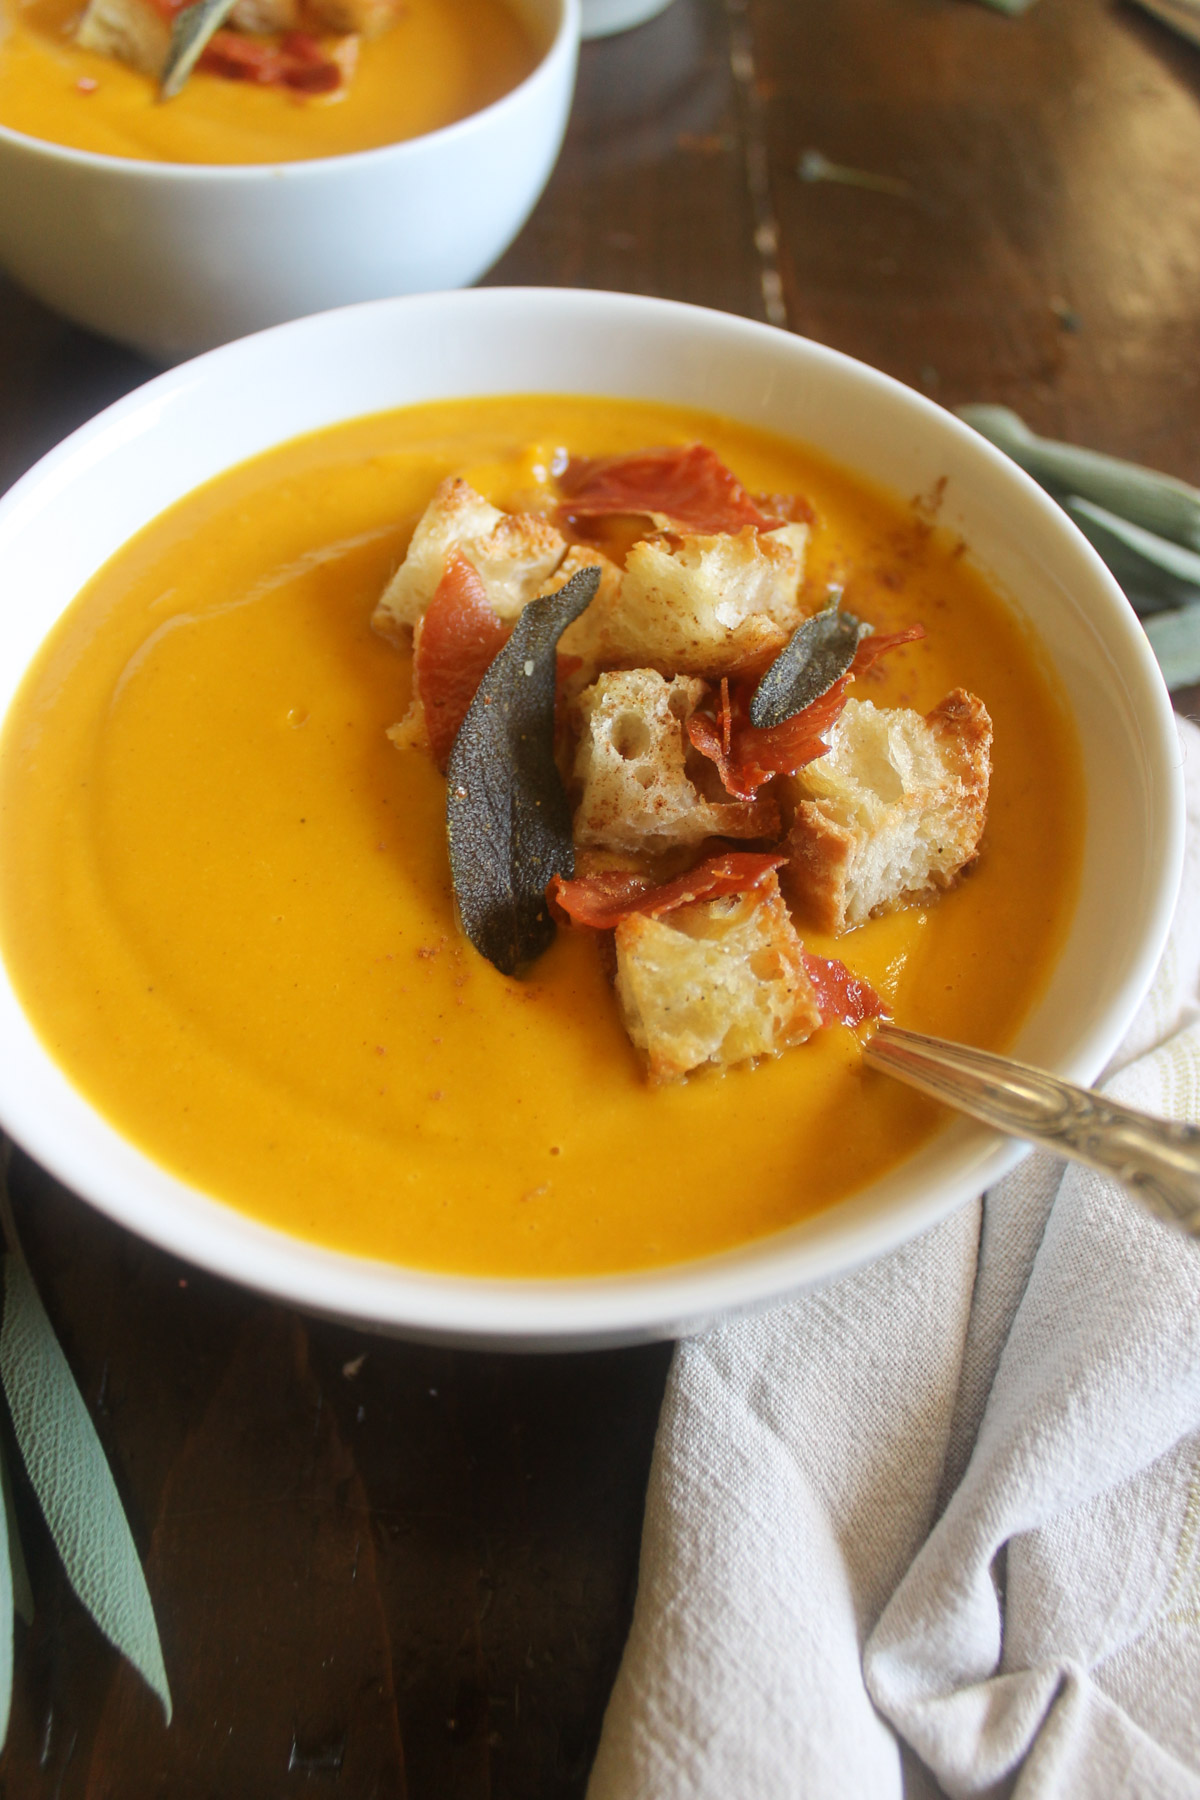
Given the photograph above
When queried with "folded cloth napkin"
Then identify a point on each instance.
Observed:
(935, 1528)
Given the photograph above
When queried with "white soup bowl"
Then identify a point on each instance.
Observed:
(173, 258)
(79, 505)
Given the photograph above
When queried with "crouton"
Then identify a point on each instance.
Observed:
(514, 553)
(131, 31)
(631, 768)
(580, 640)
(266, 18)
(893, 812)
(720, 981)
(362, 18)
(703, 605)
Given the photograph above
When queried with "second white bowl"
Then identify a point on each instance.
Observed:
(174, 258)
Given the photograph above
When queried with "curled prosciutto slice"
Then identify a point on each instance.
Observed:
(746, 756)
(453, 647)
(602, 901)
(682, 488)
(297, 62)
(844, 999)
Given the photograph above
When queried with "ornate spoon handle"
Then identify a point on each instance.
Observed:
(1157, 1159)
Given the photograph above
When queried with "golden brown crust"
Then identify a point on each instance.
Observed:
(365, 18)
(631, 769)
(513, 553)
(130, 31)
(964, 730)
(814, 876)
(719, 982)
(895, 811)
(694, 605)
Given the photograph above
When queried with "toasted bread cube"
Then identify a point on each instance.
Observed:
(131, 31)
(514, 553)
(361, 18)
(703, 605)
(894, 812)
(579, 641)
(268, 18)
(719, 981)
(631, 767)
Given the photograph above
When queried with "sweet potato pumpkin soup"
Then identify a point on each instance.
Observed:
(441, 61)
(226, 905)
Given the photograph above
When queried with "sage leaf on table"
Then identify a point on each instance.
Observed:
(6, 1622)
(1143, 547)
(1145, 525)
(508, 820)
(190, 33)
(1159, 503)
(71, 1478)
(1175, 641)
(22, 1592)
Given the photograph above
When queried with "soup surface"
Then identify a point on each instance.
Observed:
(226, 905)
(442, 61)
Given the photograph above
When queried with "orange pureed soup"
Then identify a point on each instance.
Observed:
(226, 906)
(443, 60)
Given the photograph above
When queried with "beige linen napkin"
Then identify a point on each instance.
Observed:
(947, 1506)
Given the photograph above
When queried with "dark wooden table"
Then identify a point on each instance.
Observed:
(385, 1571)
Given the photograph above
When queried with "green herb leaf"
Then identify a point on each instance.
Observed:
(1149, 586)
(1157, 502)
(1175, 641)
(814, 165)
(817, 654)
(191, 31)
(6, 1616)
(22, 1591)
(72, 1480)
(508, 820)
(1143, 548)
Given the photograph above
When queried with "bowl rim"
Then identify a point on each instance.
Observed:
(582, 1312)
(564, 43)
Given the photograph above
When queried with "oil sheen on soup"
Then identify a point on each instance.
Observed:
(226, 905)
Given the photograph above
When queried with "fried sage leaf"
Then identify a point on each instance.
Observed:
(508, 819)
(191, 31)
(817, 654)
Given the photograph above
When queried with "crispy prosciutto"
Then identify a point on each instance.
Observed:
(602, 901)
(643, 704)
(685, 488)
(746, 756)
(455, 643)
(296, 61)
(844, 999)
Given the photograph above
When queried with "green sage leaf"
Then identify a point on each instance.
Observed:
(1159, 503)
(817, 654)
(508, 820)
(190, 32)
(72, 1479)
(1175, 641)
(1149, 586)
(6, 1613)
(22, 1590)
(1097, 523)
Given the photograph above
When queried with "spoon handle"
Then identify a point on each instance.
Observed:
(1156, 1158)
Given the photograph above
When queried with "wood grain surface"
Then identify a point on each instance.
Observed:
(387, 1571)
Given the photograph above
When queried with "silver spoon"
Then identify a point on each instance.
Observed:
(1155, 1158)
